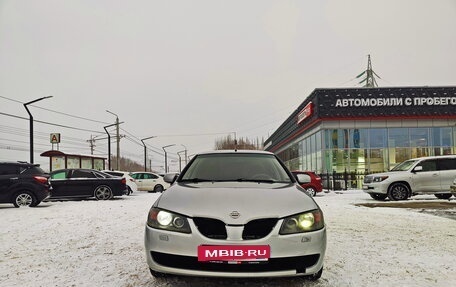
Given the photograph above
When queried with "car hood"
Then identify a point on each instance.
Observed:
(250, 200)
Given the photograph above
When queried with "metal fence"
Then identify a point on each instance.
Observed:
(343, 180)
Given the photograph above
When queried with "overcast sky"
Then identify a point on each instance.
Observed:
(192, 71)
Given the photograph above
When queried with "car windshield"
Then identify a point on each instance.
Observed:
(236, 167)
(403, 166)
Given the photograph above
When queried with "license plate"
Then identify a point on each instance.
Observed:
(365, 187)
(233, 253)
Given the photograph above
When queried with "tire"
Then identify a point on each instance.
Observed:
(377, 196)
(398, 191)
(443, 195)
(25, 198)
(103, 192)
(316, 276)
(158, 188)
(311, 191)
(157, 274)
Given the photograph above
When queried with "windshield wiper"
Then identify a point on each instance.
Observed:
(196, 180)
(256, 180)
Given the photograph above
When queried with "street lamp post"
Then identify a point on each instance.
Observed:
(145, 151)
(166, 158)
(109, 145)
(180, 159)
(31, 124)
(185, 149)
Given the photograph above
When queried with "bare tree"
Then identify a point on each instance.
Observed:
(229, 142)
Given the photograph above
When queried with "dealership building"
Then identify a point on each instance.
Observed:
(366, 129)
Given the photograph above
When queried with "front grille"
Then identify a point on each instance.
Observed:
(258, 228)
(368, 179)
(216, 229)
(298, 263)
(211, 228)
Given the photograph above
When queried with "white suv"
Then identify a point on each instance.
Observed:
(425, 175)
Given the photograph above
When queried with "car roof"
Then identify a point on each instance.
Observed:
(22, 163)
(86, 169)
(434, 157)
(231, 151)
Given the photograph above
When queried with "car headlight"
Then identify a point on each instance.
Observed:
(162, 219)
(380, 178)
(303, 222)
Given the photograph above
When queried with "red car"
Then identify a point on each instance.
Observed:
(309, 180)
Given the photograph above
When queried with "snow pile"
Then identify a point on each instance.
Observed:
(100, 243)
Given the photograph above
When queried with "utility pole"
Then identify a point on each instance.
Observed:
(118, 144)
(369, 80)
(117, 140)
(91, 142)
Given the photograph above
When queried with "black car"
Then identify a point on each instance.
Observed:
(23, 184)
(71, 183)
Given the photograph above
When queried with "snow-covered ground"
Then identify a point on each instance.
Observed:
(100, 243)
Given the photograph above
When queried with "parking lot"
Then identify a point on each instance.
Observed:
(100, 243)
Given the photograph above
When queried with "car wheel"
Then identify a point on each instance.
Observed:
(316, 276)
(377, 196)
(25, 198)
(311, 191)
(158, 188)
(443, 195)
(157, 274)
(103, 192)
(398, 191)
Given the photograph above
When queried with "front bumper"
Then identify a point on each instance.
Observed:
(291, 255)
(375, 188)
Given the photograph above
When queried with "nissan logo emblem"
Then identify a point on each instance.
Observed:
(235, 214)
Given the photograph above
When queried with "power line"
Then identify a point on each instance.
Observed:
(52, 124)
(57, 112)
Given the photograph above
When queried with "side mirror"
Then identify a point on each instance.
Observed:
(418, 168)
(303, 178)
(170, 177)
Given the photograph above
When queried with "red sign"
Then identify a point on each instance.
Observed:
(234, 252)
(305, 113)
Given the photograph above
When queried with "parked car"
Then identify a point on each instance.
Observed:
(149, 181)
(71, 183)
(425, 175)
(23, 184)
(309, 180)
(131, 182)
(235, 214)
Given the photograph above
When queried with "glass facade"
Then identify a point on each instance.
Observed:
(367, 150)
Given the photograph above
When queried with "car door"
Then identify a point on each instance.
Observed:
(427, 180)
(139, 180)
(8, 176)
(59, 182)
(152, 181)
(447, 169)
(82, 182)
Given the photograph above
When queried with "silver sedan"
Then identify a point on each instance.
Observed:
(235, 214)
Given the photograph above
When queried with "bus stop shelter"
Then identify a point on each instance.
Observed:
(60, 160)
